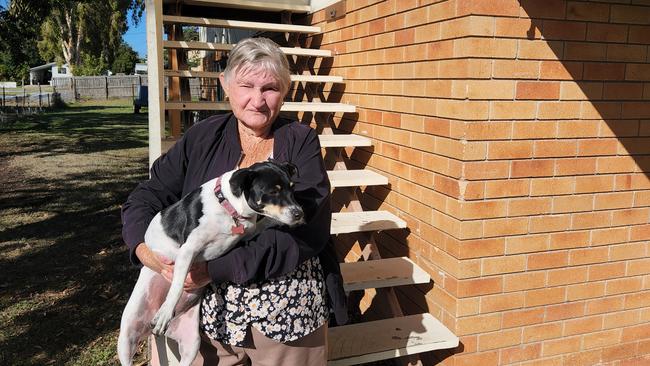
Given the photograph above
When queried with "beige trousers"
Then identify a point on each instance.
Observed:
(310, 350)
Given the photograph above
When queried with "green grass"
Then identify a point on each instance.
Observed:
(27, 89)
(65, 271)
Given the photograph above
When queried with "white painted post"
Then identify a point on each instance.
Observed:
(155, 74)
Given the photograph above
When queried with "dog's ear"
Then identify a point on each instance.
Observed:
(290, 168)
(240, 180)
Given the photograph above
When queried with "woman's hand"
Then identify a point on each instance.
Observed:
(197, 277)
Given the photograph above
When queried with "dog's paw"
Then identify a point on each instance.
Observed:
(160, 322)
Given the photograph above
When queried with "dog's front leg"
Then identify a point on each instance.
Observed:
(186, 255)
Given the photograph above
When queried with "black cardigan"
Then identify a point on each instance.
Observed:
(210, 148)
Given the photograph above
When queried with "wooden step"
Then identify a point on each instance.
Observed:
(356, 178)
(380, 273)
(354, 222)
(211, 46)
(344, 140)
(388, 338)
(286, 107)
(215, 75)
(248, 4)
(222, 23)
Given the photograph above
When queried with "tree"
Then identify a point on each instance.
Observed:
(75, 27)
(18, 49)
(125, 59)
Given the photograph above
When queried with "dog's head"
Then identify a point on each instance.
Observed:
(268, 190)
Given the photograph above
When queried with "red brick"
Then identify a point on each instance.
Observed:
(563, 30)
(518, 318)
(585, 291)
(500, 339)
(553, 9)
(553, 186)
(586, 51)
(541, 332)
(587, 11)
(555, 148)
(537, 90)
(623, 285)
(604, 71)
(561, 346)
(532, 168)
(545, 296)
(605, 32)
(609, 236)
(630, 14)
(507, 188)
(524, 281)
(526, 244)
(583, 325)
(606, 271)
(588, 255)
(516, 69)
(509, 149)
(600, 339)
(635, 333)
(480, 286)
(496, 7)
(566, 240)
(619, 352)
(564, 311)
(472, 359)
(561, 70)
(529, 206)
(550, 223)
(565, 276)
(605, 305)
(520, 353)
(478, 324)
(548, 260)
(621, 319)
(590, 220)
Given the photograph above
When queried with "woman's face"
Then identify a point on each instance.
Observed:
(255, 97)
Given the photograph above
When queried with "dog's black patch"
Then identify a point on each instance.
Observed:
(179, 219)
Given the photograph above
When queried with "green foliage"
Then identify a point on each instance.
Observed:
(18, 49)
(125, 60)
(77, 32)
(90, 65)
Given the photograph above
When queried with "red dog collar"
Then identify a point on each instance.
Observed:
(238, 228)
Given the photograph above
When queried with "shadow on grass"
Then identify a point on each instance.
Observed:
(65, 271)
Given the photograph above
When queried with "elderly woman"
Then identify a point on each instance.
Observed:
(270, 297)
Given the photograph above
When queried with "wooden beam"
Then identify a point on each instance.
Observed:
(211, 46)
(155, 77)
(295, 78)
(223, 23)
(286, 107)
(249, 4)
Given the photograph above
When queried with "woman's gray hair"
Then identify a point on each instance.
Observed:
(261, 53)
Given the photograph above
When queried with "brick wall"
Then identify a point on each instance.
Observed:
(516, 137)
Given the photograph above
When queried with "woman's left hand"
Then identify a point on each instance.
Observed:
(197, 277)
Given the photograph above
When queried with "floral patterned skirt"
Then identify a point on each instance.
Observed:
(284, 309)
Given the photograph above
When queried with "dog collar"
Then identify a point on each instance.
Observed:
(238, 228)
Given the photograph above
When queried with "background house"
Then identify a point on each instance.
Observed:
(44, 73)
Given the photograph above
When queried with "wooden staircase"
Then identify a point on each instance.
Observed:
(349, 344)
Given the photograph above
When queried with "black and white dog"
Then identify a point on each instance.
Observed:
(203, 225)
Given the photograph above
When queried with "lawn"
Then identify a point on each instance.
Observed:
(65, 271)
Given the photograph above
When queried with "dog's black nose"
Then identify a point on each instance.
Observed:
(296, 213)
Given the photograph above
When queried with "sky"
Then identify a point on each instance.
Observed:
(136, 36)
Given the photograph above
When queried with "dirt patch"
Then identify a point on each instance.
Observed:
(65, 271)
